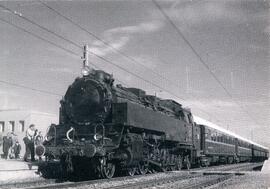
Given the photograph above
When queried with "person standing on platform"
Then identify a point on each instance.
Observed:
(7, 143)
(29, 142)
(39, 139)
(17, 149)
(1, 140)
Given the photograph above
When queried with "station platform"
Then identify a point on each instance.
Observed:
(16, 171)
(250, 180)
(266, 167)
(12, 164)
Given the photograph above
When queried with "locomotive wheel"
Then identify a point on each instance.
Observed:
(107, 168)
(143, 168)
(152, 170)
(131, 171)
(173, 168)
(165, 168)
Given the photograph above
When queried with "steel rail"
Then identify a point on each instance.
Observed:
(172, 177)
(134, 184)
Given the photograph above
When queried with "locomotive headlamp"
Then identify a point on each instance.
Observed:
(85, 71)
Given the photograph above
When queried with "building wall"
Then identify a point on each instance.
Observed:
(22, 119)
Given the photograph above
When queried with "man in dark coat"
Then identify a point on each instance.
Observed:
(17, 149)
(1, 140)
(7, 143)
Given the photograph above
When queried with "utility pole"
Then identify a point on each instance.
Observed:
(85, 56)
(85, 68)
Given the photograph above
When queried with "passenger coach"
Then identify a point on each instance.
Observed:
(221, 146)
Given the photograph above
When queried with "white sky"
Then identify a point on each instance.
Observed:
(232, 37)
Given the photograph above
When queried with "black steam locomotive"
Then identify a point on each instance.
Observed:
(104, 129)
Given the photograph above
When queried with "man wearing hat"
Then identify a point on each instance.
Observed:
(29, 142)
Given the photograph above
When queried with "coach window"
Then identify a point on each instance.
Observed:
(222, 138)
(219, 137)
(2, 126)
(207, 134)
(212, 136)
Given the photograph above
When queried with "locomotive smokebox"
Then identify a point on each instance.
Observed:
(86, 101)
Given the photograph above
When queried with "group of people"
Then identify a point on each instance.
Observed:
(12, 147)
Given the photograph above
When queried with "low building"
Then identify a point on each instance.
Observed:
(17, 121)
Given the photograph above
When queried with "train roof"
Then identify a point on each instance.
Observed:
(202, 121)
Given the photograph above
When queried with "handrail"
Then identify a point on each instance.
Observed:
(67, 134)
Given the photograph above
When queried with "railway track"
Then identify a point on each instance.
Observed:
(124, 182)
(200, 182)
(232, 167)
(52, 183)
(177, 179)
(188, 181)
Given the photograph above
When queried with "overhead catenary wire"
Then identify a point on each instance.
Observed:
(105, 42)
(29, 88)
(80, 47)
(100, 57)
(36, 36)
(47, 41)
(51, 43)
(179, 32)
(39, 37)
(38, 25)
